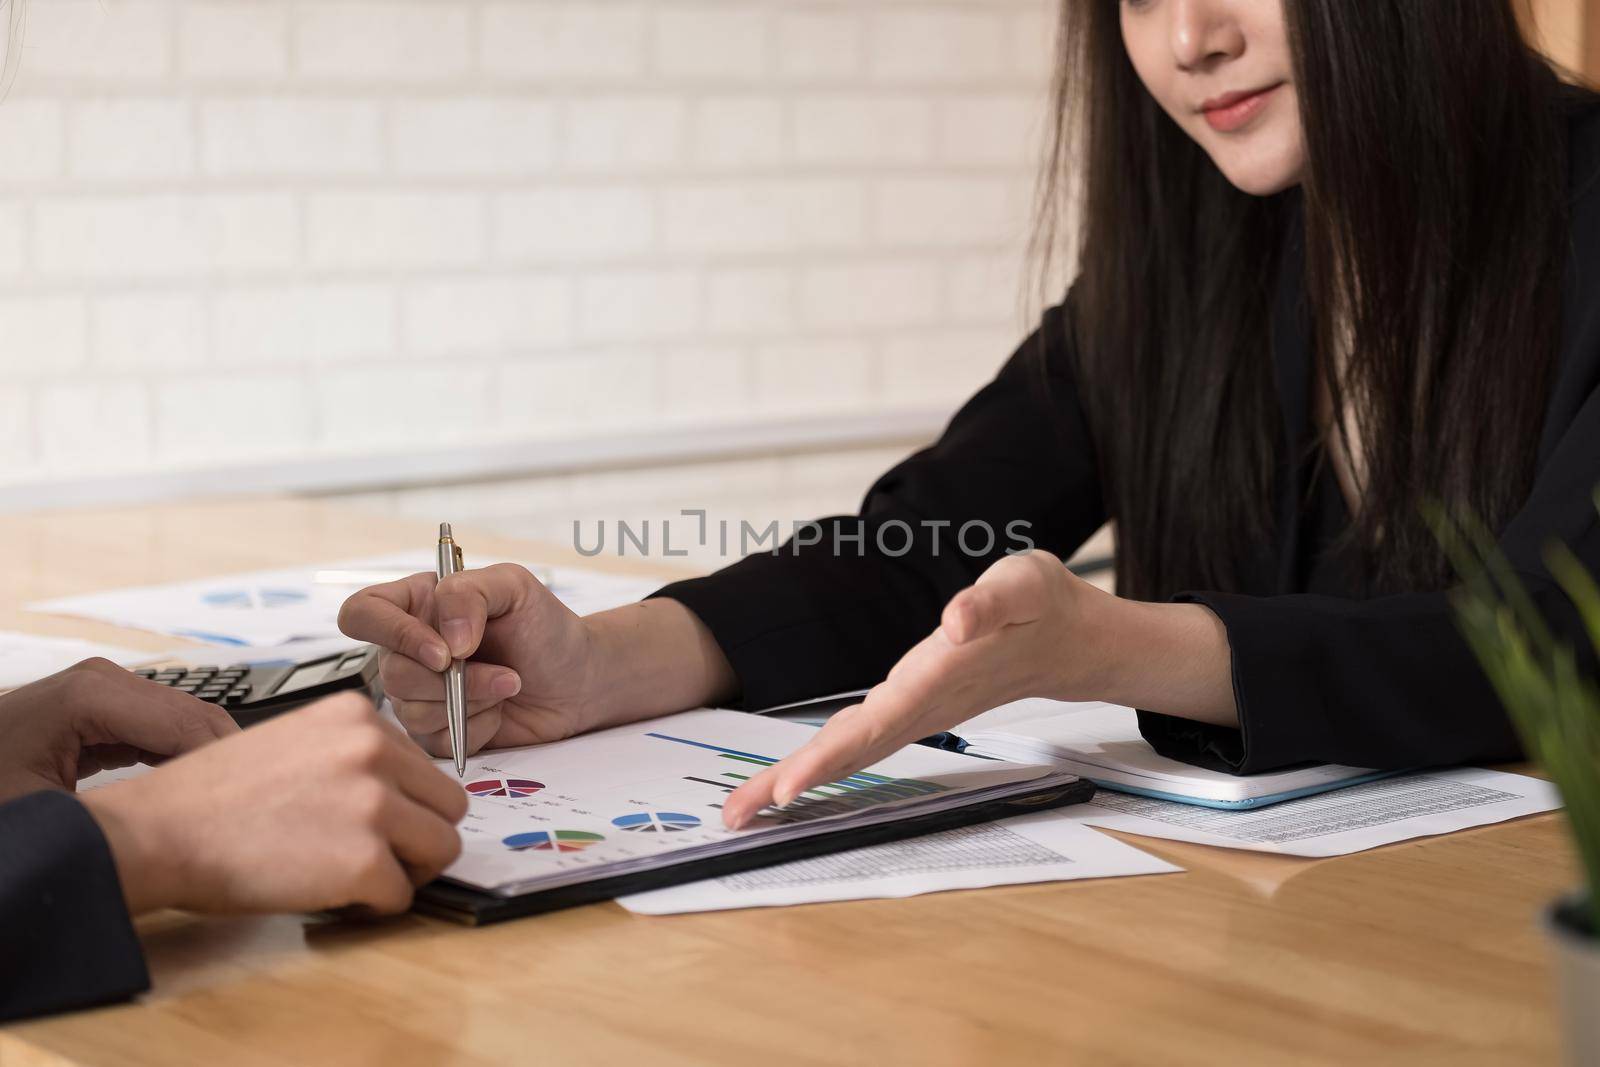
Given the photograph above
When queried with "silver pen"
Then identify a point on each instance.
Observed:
(455, 690)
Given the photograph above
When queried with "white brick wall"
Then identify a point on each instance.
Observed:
(237, 232)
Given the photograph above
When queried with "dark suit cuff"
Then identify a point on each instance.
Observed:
(66, 940)
(794, 631)
(1280, 723)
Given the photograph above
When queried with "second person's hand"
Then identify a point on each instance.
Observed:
(528, 679)
(537, 672)
(1027, 628)
(325, 807)
(96, 716)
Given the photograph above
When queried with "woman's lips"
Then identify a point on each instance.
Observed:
(1233, 110)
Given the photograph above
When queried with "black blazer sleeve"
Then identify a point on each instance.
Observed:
(1390, 682)
(65, 937)
(816, 618)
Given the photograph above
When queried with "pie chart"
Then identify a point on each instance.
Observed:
(656, 822)
(253, 599)
(552, 841)
(504, 787)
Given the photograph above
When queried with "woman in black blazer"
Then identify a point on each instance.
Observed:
(1336, 260)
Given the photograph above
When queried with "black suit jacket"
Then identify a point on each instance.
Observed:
(65, 937)
(1320, 672)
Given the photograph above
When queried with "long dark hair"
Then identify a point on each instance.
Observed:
(1434, 212)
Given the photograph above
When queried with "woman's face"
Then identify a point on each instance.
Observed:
(1222, 70)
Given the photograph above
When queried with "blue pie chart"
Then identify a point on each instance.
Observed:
(656, 822)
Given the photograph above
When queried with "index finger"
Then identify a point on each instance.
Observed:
(856, 737)
(418, 778)
(387, 615)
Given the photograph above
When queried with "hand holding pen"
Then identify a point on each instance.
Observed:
(533, 670)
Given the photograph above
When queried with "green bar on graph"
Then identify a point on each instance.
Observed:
(746, 759)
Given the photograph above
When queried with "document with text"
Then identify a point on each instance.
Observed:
(1045, 847)
(1347, 820)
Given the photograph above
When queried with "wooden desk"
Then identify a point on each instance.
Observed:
(1421, 952)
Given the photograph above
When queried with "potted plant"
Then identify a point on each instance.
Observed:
(1556, 710)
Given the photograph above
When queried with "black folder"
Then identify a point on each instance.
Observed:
(476, 907)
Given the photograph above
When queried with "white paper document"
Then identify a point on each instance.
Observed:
(1044, 847)
(26, 658)
(1102, 742)
(649, 795)
(276, 606)
(1347, 820)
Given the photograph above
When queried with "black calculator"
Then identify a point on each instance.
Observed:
(254, 692)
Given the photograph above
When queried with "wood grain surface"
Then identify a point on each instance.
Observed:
(1425, 952)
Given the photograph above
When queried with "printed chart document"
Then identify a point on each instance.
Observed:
(649, 795)
(277, 606)
(1347, 820)
(26, 658)
(1045, 847)
(1102, 742)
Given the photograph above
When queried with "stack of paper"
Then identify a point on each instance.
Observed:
(296, 603)
(1046, 847)
(1339, 822)
(26, 658)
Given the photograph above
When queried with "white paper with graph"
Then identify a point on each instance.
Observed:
(649, 795)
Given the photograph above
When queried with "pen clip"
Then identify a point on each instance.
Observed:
(460, 562)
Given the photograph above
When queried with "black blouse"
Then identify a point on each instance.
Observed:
(1321, 671)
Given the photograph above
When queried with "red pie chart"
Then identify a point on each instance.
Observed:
(504, 787)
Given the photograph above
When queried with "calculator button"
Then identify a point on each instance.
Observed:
(146, 672)
(207, 669)
(170, 673)
(239, 692)
(186, 687)
(208, 690)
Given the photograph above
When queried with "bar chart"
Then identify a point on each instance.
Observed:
(853, 792)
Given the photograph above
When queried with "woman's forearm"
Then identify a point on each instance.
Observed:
(657, 657)
(652, 658)
(1170, 658)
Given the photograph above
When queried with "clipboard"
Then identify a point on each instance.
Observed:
(474, 907)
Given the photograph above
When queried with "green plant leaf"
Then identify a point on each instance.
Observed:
(1554, 707)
